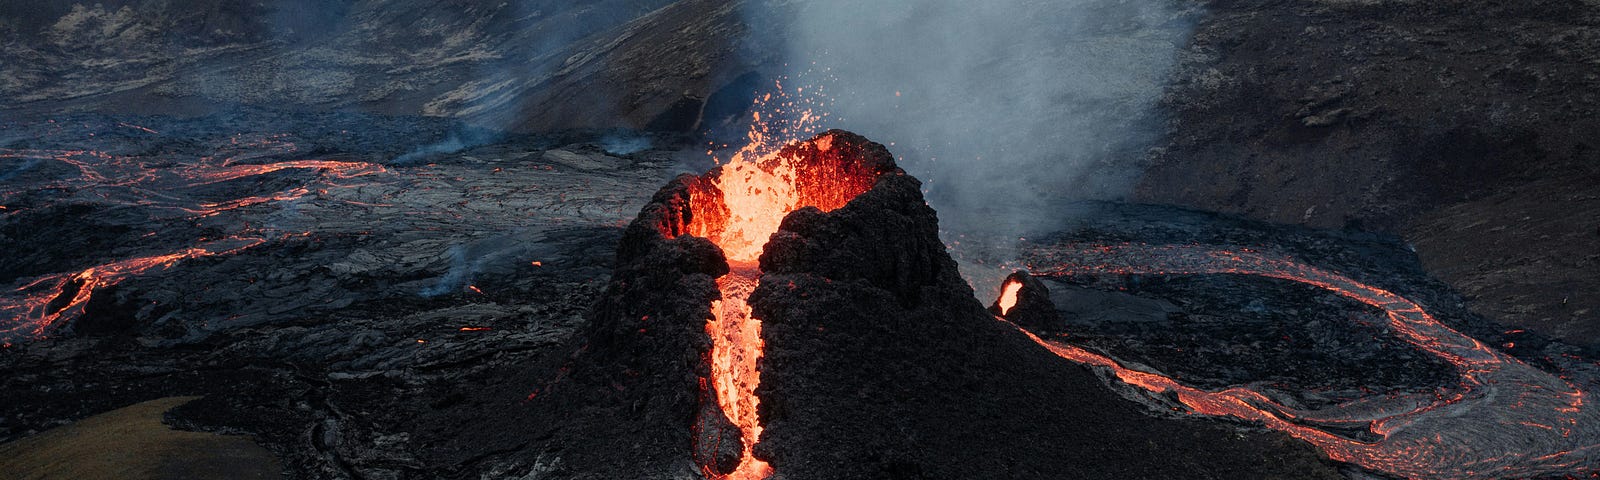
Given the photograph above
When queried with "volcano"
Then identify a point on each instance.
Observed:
(598, 239)
(790, 313)
(851, 348)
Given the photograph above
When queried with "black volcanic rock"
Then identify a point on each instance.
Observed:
(624, 404)
(879, 363)
(542, 65)
(1033, 310)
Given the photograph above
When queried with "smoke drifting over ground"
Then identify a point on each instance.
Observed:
(1003, 107)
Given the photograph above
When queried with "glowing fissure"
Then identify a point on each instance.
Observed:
(757, 191)
(1504, 419)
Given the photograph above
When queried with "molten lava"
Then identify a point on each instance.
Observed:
(1008, 296)
(43, 302)
(736, 347)
(1505, 418)
(757, 191)
(738, 207)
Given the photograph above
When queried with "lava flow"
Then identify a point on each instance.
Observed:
(738, 207)
(1504, 419)
(159, 183)
(756, 191)
(47, 299)
(736, 347)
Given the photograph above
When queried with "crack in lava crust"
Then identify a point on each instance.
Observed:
(1504, 419)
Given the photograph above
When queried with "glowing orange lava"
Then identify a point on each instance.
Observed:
(745, 200)
(757, 192)
(1008, 296)
(1504, 419)
(736, 347)
(47, 299)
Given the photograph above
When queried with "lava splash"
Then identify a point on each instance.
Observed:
(1505, 418)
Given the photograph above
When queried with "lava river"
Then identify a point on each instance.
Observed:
(1505, 418)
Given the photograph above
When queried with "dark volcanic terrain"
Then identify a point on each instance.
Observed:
(1468, 128)
(432, 341)
(407, 239)
(442, 315)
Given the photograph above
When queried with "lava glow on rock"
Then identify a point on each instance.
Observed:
(1008, 296)
(739, 207)
(1505, 418)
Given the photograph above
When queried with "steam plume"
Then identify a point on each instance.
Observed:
(1005, 108)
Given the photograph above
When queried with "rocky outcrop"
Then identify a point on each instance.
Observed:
(1030, 307)
(628, 402)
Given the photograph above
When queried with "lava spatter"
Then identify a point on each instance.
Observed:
(1525, 422)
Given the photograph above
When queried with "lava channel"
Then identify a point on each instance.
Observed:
(1505, 418)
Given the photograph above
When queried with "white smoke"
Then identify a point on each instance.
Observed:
(1004, 108)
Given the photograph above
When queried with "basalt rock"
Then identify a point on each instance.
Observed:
(878, 361)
